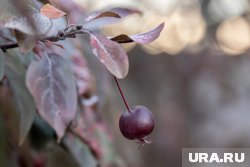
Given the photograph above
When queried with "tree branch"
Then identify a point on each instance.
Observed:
(8, 46)
(69, 32)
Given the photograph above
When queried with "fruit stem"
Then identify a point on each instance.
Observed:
(123, 97)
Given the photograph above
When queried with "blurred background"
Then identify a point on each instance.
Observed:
(195, 77)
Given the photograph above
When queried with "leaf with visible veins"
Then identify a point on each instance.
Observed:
(51, 82)
(111, 54)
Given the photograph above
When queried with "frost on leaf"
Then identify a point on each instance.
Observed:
(24, 16)
(51, 11)
(111, 54)
(142, 38)
(52, 84)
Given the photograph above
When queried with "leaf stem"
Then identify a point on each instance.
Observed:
(123, 97)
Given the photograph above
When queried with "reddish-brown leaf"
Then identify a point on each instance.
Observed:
(84, 80)
(52, 84)
(87, 126)
(142, 38)
(51, 11)
(111, 54)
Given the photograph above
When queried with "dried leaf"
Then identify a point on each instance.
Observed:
(51, 11)
(12, 18)
(24, 104)
(52, 84)
(111, 16)
(1, 65)
(111, 54)
(142, 38)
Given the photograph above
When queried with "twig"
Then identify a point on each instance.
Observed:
(69, 32)
(8, 46)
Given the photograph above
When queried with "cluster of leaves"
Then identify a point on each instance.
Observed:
(53, 78)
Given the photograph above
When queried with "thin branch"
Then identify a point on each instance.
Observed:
(68, 32)
(8, 46)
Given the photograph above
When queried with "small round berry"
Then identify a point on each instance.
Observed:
(136, 124)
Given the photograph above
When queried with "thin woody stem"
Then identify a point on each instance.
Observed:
(8, 46)
(123, 97)
(61, 35)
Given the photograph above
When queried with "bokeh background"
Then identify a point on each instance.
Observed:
(195, 77)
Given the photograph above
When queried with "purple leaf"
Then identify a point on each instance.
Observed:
(111, 54)
(142, 38)
(52, 84)
(84, 80)
(111, 16)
